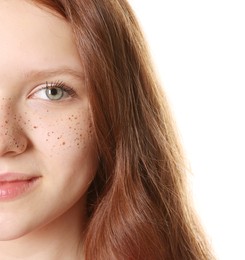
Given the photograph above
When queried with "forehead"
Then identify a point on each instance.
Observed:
(21, 16)
(32, 36)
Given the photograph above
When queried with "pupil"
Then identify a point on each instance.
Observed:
(53, 91)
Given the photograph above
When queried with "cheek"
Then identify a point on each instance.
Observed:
(69, 133)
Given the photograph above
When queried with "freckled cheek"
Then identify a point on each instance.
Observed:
(70, 132)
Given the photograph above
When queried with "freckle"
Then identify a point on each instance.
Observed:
(63, 143)
(48, 134)
(6, 122)
(47, 110)
(46, 140)
(35, 126)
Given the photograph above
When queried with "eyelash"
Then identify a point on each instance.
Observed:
(61, 85)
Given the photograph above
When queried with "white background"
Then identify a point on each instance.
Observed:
(199, 52)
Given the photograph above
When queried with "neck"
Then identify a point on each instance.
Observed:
(60, 239)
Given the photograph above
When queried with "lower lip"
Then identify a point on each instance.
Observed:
(15, 189)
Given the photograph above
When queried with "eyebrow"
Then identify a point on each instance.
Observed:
(37, 74)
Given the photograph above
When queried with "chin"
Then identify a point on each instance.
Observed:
(11, 231)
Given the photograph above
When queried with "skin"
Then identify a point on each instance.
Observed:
(51, 139)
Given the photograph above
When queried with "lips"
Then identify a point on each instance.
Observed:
(15, 185)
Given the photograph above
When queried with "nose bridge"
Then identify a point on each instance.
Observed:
(6, 110)
(12, 139)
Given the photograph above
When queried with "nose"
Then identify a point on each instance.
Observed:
(12, 138)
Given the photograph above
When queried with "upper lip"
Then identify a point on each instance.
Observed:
(11, 176)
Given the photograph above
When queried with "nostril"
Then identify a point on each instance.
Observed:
(12, 141)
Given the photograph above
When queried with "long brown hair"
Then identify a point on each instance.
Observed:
(138, 206)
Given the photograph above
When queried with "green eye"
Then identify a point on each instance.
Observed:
(54, 93)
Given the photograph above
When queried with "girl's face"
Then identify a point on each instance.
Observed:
(47, 147)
